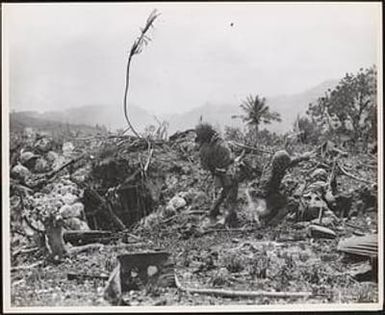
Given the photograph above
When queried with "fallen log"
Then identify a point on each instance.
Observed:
(87, 237)
(317, 231)
(82, 276)
(248, 294)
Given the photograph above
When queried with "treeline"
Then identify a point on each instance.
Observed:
(346, 115)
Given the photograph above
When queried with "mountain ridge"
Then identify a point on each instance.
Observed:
(220, 115)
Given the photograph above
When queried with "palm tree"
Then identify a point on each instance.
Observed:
(257, 112)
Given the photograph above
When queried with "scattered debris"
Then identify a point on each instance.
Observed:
(138, 271)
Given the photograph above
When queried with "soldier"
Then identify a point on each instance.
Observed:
(271, 204)
(216, 157)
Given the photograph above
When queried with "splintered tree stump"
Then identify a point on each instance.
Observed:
(54, 237)
(138, 271)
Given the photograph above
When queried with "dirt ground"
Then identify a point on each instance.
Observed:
(283, 258)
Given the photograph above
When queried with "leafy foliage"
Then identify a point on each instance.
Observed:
(308, 132)
(349, 110)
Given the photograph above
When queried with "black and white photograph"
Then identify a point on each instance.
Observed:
(192, 156)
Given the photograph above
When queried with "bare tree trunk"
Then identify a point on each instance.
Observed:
(54, 237)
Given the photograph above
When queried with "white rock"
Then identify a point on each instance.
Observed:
(67, 148)
(19, 171)
(78, 209)
(52, 156)
(66, 212)
(76, 224)
(41, 166)
(69, 199)
(177, 202)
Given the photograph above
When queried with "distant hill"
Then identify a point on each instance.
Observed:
(220, 115)
(111, 117)
(18, 121)
(289, 106)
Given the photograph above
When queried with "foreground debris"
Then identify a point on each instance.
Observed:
(119, 200)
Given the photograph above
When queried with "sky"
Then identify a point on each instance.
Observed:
(67, 55)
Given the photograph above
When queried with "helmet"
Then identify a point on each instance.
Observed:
(281, 160)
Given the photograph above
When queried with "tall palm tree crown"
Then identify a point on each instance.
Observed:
(257, 112)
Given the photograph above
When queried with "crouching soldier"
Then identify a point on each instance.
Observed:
(271, 203)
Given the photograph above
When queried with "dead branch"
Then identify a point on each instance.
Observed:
(23, 251)
(19, 186)
(148, 160)
(107, 207)
(24, 267)
(353, 176)
(30, 225)
(249, 294)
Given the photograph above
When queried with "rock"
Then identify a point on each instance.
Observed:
(78, 209)
(74, 211)
(67, 148)
(52, 156)
(28, 159)
(43, 145)
(168, 211)
(20, 172)
(75, 224)
(41, 166)
(69, 198)
(60, 161)
(177, 202)
(326, 221)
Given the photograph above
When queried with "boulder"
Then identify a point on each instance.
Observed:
(177, 202)
(41, 166)
(72, 211)
(20, 172)
(75, 224)
(43, 145)
(68, 148)
(69, 198)
(28, 159)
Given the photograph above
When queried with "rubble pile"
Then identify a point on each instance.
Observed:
(36, 193)
(141, 183)
(148, 196)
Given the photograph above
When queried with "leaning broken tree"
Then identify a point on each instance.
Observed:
(142, 40)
